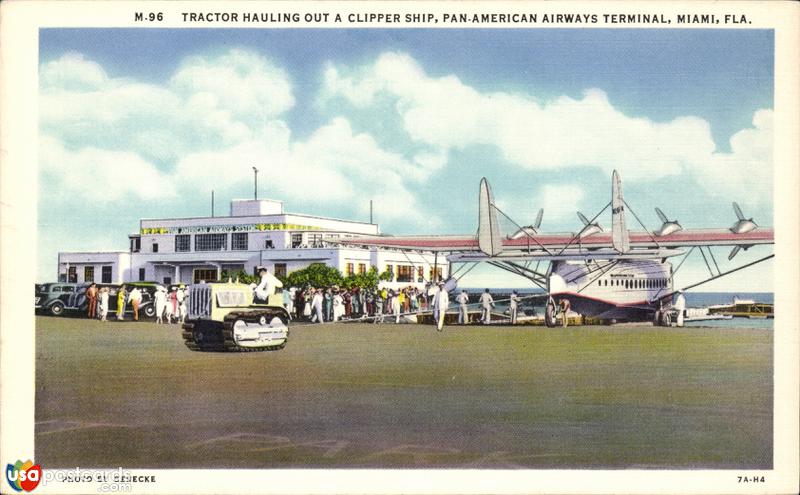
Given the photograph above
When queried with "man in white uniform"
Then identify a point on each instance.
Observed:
(161, 303)
(513, 302)
(441, 303)
(267, 286)
(463, 300)
(316, 306)
(680, 307)
(182, 295)
(487, 303)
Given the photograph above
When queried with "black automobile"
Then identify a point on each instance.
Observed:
(60, 298)
(55, 298)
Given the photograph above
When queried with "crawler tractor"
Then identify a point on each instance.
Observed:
(227, 317)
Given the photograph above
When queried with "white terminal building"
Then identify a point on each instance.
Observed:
(256, 233)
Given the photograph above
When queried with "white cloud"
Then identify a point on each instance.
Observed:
(334, 166)
(72, 72)
(103, 175)
(445, 113)
(209, 103)
(215, 118)
(241, 82)
(746, 173)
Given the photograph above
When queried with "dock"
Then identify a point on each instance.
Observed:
(743, 309)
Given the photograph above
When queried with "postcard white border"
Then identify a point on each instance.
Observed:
(20, 22)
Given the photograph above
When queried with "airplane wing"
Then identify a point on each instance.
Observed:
(555, 242)
(591, 241)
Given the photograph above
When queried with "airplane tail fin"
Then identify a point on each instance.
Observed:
(619, 232)
(489, 240)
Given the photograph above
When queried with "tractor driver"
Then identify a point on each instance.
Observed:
(267, 285)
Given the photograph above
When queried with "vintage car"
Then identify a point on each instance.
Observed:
(60, 298)
(55, 298)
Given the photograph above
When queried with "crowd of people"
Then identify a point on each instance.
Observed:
(313, 304)
(334, 303)
(168, 305)
(321, 305)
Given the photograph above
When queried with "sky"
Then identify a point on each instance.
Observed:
(144, 123)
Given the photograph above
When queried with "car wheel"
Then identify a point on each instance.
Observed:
(57, 309)
(149, 311)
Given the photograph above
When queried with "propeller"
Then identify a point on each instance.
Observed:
(736, 250)
(529, 230)
(743, 224)
(538, 221)
(588, 228)
(667, 226)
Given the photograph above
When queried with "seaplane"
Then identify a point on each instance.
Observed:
(616, 276)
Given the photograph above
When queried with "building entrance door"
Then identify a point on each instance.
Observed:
(205, 274)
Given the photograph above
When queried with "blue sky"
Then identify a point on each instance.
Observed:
(145, 122)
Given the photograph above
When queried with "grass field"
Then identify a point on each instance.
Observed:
(388, 396)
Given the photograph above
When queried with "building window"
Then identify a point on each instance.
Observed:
(136, 244)
(106, 274)
(268, 244)
(362, 268)
(435, 275)
(315, 240)
(405, 273)
(239, 241)
(210, 242)
(349, 269)
(141, 274)
(280, 270)
(390, 269)
(88, 274)
(420, 274)
(167, 280)
(155, 247)
(204, 274)
(72, 275)
(297, 240)
(183, 243)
